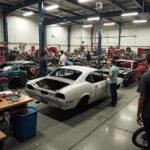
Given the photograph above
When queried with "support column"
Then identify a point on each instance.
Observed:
(69, 37)
(119, 38)
(99, 39)
(92, 30)
(5, 28)
(41, 27)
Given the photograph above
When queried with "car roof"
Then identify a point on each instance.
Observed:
(19, 62)
(126, 60)
(80, 68)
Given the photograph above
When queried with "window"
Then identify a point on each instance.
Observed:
(97, 77)
(89, 79)
(135, 64)
(6, 66)
(123, 64)
(66, 73)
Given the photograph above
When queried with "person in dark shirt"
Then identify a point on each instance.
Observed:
(12, 57)
(116, 57)
(88, 56)
(44, 64)
(143, 113)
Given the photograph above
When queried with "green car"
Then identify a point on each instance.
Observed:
(19, 72)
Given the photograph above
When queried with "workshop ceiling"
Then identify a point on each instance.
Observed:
(70, 8)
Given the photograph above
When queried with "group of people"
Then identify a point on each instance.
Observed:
(63, 61)
(143, 113)
(13, 55)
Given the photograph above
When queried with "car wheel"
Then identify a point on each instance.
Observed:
(15, 83)
(126, 83)
(83, 102)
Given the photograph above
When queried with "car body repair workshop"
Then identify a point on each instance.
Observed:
(74, 74)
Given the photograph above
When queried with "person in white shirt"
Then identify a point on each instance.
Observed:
(63, 59)
(62, 62)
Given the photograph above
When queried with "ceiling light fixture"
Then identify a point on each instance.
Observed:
(52, 7)
(28, 14)
(87, 26)
(109, 24)
(54, 25)
(94, 18)
(82, 1)
(139, 21)
(129, 14)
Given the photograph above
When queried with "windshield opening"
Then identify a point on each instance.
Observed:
(6, 67)
(123, 64)
(66, 73)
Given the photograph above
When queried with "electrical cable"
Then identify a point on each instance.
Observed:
(55, 37)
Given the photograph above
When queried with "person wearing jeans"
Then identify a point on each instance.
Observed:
(113, 74)
(113, 89)
(143, 113)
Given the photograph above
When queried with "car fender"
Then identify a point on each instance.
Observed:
(75, 93)
(85, 94)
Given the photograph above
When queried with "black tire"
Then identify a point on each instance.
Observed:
(135, 136)
(126, 83)
(83, 102)
(128, 49)
(15, 83)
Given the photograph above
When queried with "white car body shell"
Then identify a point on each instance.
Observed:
(74, 92)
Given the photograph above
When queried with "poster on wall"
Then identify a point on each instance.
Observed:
(32, 48)
(22, 47)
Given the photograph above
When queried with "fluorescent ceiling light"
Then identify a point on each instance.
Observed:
(82, 1)
(65, 22)
(139, 21)
(109, 24)
(54, 25)
(52, 7)
(28, 14)
(87, 26)
(94, 18)
(129, 14)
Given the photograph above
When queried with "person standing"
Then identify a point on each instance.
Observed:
(143, 113)
(12, 56)
(88, 56)
(62, 62)
(63, 59)
(113, 74)
(116, 57)
(44, 64)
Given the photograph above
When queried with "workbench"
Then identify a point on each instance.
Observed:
(13, 107)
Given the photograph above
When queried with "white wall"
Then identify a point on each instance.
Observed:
(25, 30)
(22, 30)
(57, 36)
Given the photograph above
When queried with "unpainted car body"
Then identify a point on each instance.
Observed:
(70, 86)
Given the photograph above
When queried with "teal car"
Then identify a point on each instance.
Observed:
(19, 72)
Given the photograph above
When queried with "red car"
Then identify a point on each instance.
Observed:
(129, 70)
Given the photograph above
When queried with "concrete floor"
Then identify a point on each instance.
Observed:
(96, 128)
